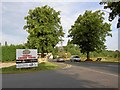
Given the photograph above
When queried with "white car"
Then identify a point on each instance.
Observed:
(75, 58)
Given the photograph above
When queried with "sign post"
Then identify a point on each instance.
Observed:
(26, 58)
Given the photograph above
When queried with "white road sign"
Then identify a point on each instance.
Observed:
(26, 58)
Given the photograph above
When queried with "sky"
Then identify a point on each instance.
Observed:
(13, 14)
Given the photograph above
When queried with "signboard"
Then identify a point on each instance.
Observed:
(26, 58)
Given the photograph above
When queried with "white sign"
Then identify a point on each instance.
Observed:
(26, 58)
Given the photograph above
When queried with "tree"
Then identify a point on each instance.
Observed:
(115, 10)
(44, 28)
(89, 32)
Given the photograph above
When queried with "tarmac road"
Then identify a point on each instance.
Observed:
(75, 75)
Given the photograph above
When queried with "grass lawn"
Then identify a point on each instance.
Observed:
(110, 60)
(41, 66)
(104, 59)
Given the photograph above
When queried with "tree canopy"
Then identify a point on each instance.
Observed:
(44, 28)
(115, 10)
(89, 32)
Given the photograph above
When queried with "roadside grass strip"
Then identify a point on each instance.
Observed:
(41, 66)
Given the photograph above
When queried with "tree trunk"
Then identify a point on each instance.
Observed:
(42, 53)
(88, 57)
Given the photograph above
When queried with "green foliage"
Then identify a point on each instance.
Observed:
(68, 55)
(89, 32)
(9, 52)
(64, 54)
(44, 28)
(115, 10)
(73, 49)
(105, 53)
(54, 52)
(61, 54)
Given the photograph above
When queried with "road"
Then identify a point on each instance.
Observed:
(75, 75)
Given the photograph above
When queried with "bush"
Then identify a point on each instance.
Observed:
(9, 52)
(64, 54)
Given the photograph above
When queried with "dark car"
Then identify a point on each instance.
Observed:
(60, 60)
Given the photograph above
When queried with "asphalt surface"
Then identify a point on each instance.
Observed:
(74, 75)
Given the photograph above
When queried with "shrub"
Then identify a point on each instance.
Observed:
(9, 52)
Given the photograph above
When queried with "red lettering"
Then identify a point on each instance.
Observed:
(22, 58)
(26, 57)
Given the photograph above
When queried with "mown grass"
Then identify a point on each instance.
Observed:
(108, 59)
(41, 66)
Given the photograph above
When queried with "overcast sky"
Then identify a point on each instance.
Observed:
(13, 14)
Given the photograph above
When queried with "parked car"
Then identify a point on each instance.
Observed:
(75, 58)
(60, 60)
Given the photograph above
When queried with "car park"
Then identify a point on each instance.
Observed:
(75, 58)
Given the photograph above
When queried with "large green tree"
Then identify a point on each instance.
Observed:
(89, 32)
(44, 28)
(115, 10)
